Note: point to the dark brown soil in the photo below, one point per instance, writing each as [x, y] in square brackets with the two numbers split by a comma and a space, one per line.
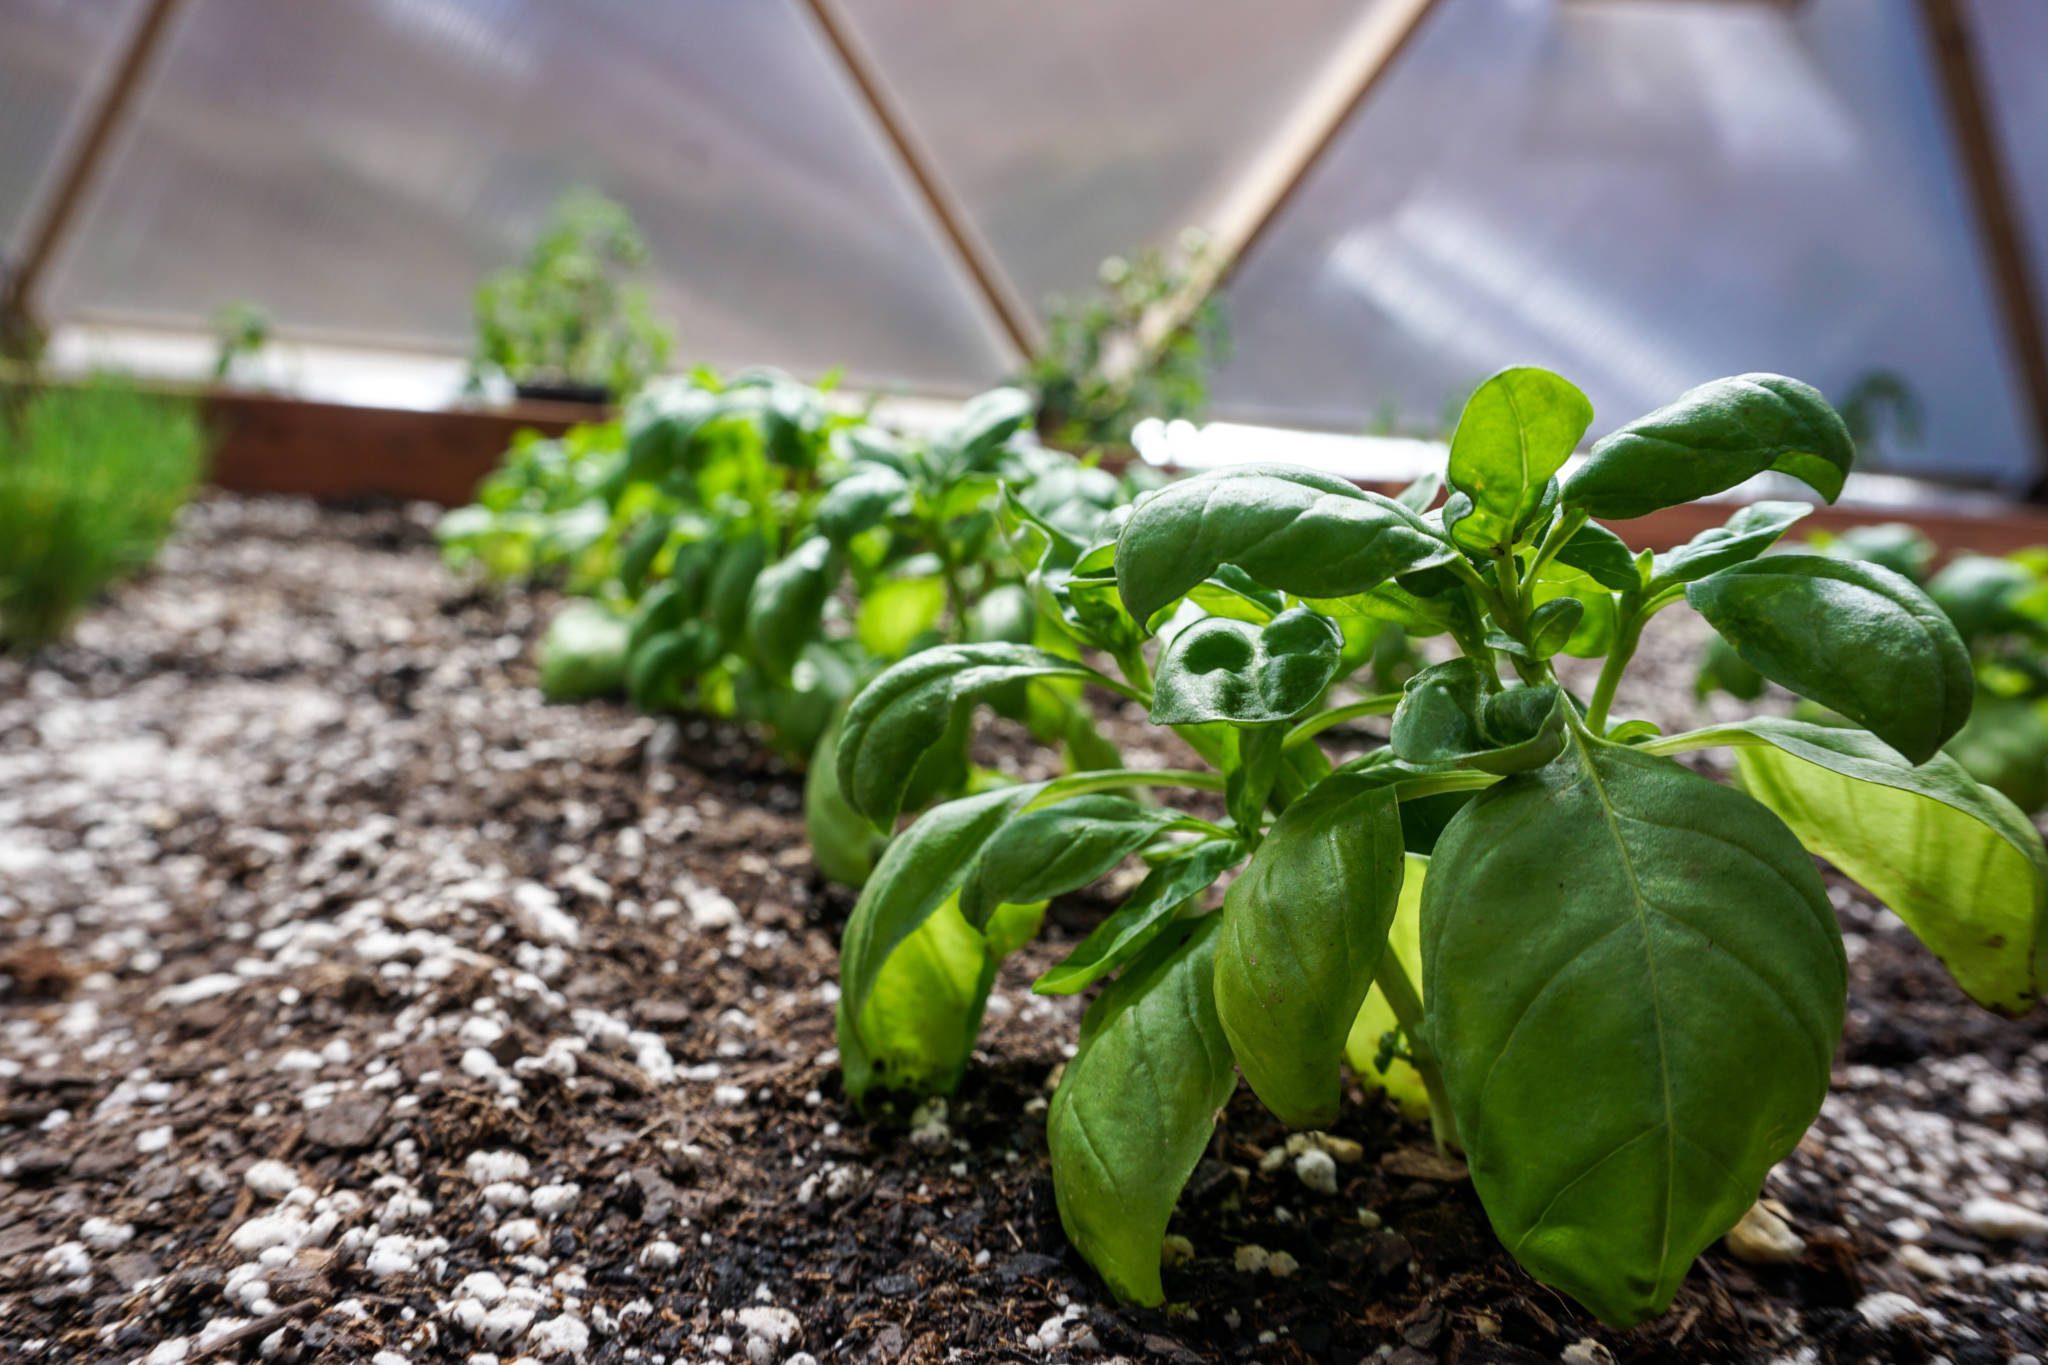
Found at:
[295, 867]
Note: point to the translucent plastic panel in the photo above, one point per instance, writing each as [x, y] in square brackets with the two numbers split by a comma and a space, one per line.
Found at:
[53, 54]
[1642, 194]
[1074, 131]
[357, 167]
[2012, 44]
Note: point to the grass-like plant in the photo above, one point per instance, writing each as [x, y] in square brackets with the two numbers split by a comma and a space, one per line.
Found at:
[1631, 983]
[91, 480]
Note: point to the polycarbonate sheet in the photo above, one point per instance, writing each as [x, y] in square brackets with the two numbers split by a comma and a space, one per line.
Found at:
[2011, 44]
[1641, 194]
[356, 168]
[54, 54]
[1079, 130]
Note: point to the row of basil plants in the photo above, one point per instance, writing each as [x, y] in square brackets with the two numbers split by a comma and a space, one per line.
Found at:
[1614, 985]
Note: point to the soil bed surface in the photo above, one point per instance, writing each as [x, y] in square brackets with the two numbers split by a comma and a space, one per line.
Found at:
[354, 1001]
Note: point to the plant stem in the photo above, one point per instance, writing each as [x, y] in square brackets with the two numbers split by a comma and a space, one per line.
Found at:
[1116, 779]
[1406, 1003]
[1628, 633]
[1381, 704]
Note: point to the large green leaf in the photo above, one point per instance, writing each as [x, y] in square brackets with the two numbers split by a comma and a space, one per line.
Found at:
[784, 607]
[1516, 431]
[1135, 1108]
[1223, 669]
[1856, 638]
[1635, 987]
[923, 867]
[1955, 860]
[908, 708]
[1712, 438]
[1045, 852]
[1303, 929]
[1168, 888]
[1748, 534]
[1303, 532]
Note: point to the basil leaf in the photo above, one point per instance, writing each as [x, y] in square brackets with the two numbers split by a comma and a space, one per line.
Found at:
[2004, 745]
[1136, 1106]
[731, 582]
[1516, 431]
[784, 607]
[1168, 888]
[1748, 534]
[1712, 438]
[908, 708]
[915, 1029]
[895, 613]
[1955, 860]
[1046, 852]
[1447, 715]
[1302, 934]
[1299, 531]
[1892, 545]
[583, 653]
[1603, 556]
[638, 555]
[859, 500]
[1856, 638]
[1980, 594]
[659, 670]
[1635, 989]
[1253, 758]
[1220, 669]
[922, 869]
[843, 846]
[987, 420]
[1400, 1080]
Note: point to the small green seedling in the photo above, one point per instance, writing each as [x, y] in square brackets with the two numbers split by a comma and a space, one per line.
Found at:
[1631, 984]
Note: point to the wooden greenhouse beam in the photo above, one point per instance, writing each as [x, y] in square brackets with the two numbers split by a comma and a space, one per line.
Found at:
[79, 162]
[1019, 323]
[1997, 216]
[1284, 163]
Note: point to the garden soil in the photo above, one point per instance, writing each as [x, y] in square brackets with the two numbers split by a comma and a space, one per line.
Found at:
[357, 1006]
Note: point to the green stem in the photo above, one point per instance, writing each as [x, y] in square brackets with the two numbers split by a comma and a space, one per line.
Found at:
[1382, 704]
[1628, 634]
[1562, 530]
[1118, 779]
[1406, 1003]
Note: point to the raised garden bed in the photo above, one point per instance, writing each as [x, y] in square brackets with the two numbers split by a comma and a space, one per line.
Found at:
[486, 1026]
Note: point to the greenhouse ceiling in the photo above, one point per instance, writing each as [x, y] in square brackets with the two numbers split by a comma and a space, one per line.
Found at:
[1408, 193]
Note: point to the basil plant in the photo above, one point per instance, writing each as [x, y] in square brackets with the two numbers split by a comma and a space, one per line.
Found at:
[1618, 983]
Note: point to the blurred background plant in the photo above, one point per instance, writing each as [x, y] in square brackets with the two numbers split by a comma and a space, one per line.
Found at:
[91, 478]
[563, 324]
[1999, 606]
[240, 332]
[1102, 369]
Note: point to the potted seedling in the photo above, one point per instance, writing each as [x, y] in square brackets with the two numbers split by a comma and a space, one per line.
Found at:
[564, 325]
